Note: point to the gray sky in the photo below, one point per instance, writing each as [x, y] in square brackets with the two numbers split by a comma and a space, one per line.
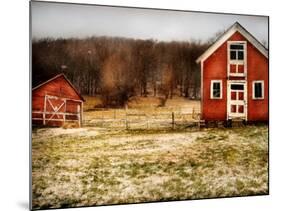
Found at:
[70, 20]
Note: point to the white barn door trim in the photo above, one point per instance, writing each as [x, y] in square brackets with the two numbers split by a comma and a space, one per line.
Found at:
[237, 102]
[55, 109]
[60, 110]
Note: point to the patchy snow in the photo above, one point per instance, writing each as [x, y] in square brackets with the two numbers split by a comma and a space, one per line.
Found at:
[52, 132]
[111, 166]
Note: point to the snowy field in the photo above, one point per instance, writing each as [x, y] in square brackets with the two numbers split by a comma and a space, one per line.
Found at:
[95, 166]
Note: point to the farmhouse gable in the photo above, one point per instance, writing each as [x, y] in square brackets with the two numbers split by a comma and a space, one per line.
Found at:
[57, 81]
[234, 78]
[236, 27]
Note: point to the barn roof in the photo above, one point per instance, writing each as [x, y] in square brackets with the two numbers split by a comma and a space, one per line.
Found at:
[58, 76]
[225, 36]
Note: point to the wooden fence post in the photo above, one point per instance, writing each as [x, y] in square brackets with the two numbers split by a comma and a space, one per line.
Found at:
[102, 117]
[193, 113]
[126, 119]
[173, 120]
[81, 114]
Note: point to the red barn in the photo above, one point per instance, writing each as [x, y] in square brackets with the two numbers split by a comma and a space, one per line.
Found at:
[234, 78]
[56, 102]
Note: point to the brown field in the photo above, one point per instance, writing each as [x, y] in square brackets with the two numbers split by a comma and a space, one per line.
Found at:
[98, 165]
[143, 113]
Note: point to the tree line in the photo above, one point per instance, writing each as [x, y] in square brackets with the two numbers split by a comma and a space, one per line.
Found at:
[119, 68]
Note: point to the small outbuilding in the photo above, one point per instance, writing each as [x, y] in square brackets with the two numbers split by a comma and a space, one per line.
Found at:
[56, 102]
[234, 78]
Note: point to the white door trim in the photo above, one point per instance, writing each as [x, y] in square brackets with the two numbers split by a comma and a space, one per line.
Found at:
[243, 82]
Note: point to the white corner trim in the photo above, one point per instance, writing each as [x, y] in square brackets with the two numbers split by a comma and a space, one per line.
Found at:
[202, 89]
[262, 90]
[211, 89]
[234, 28]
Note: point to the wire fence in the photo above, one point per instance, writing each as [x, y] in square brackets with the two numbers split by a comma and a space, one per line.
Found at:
[142, 119]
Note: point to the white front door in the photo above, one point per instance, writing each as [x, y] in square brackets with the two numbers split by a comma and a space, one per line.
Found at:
[237, 100]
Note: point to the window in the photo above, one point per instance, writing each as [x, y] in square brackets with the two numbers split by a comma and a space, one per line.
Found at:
[237, 87]
[237, 62]
[216, 89]
[236, 52]
[258, 89]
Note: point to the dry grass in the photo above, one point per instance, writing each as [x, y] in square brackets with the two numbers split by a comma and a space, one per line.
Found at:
[143, 112]
[94, 166]
[91, 102]
[144, 102]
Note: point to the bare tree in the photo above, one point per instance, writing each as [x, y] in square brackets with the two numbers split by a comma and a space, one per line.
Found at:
[119, 68]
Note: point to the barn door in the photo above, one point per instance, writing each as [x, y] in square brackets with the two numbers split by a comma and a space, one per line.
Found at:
[237, 100]
[54, 109]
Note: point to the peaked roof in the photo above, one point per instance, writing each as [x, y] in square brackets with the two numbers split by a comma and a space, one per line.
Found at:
[225, 36]
[57, 76]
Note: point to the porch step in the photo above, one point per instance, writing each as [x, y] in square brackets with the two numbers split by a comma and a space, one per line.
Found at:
[237, 122]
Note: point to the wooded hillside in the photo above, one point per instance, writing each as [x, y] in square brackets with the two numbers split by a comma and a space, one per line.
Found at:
[118, 68]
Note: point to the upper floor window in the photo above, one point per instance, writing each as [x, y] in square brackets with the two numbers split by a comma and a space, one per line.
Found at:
[237, 58]
[237, 52]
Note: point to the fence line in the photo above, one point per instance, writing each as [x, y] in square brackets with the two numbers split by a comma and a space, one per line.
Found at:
[135, 119]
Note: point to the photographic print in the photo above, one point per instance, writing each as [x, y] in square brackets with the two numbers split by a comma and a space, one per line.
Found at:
[133, 105]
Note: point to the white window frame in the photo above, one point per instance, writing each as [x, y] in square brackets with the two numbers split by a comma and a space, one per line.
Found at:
[211, 89]
[237, 62]
[236, 51]
[262, 90]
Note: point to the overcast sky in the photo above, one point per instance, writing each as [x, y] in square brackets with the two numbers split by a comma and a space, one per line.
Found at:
[72, 20]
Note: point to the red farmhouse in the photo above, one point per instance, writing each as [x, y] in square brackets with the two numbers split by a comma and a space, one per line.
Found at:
[234, 78]
[55, 102]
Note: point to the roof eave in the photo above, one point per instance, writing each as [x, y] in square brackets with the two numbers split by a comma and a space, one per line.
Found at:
[198, 60]
[223, 38]
[57, 76]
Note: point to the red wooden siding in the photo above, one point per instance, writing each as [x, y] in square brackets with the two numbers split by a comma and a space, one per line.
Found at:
[215, 68]
[60, 95]
[257, 70]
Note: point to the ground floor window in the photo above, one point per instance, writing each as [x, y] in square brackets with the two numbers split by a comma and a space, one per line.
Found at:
[258, 89]
[216, 89]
